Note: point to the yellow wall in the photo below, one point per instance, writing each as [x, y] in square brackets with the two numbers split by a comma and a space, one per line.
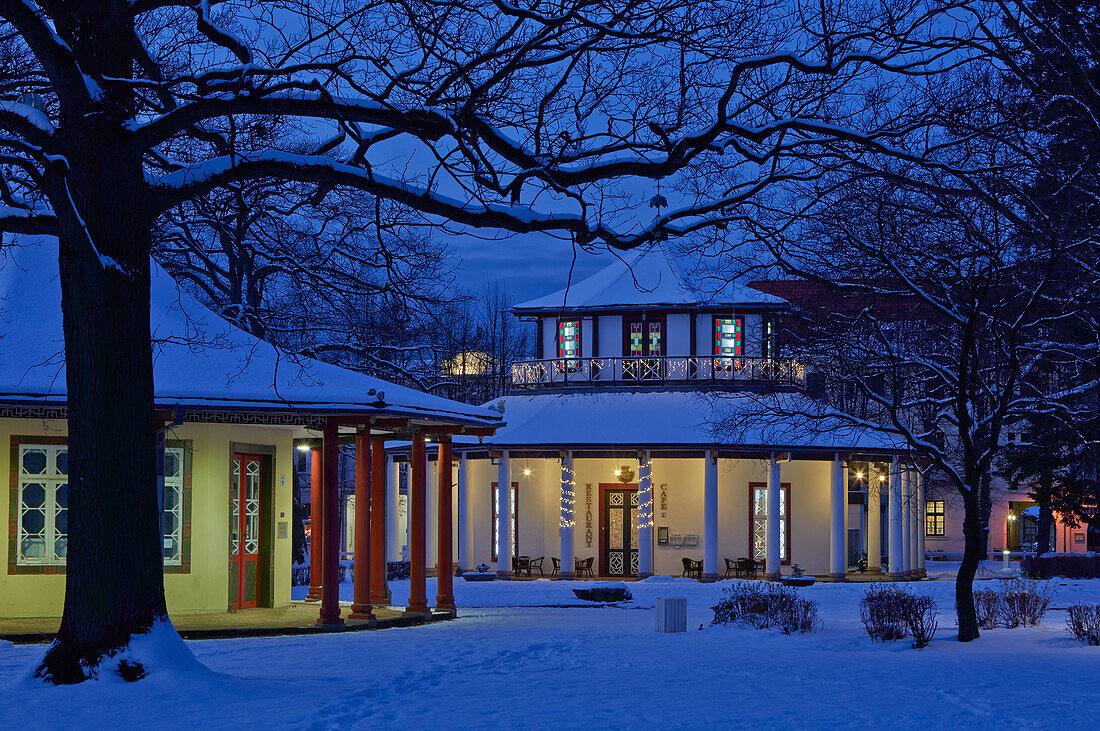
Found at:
[205, 588]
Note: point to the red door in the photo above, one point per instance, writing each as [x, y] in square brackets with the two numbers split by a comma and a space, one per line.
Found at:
[244, 531]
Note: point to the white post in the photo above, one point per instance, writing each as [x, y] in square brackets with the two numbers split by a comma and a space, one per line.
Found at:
[645, 515]
[897, 567]
[906, 523]
[914, 524]
[465, 519]
[874, 522]
[710, 516]
[921, 524]
[568, 516]
[394, 537]
[772, 566]
[504, 518]
[837, 507]
[431, 469]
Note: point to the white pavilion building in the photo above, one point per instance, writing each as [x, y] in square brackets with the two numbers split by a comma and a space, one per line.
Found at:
[645, 440]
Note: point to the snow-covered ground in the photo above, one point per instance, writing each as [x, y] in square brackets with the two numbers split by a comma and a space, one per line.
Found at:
[510, 660]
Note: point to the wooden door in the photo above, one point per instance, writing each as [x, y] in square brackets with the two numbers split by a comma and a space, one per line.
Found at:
[244, 531]
[619, 535]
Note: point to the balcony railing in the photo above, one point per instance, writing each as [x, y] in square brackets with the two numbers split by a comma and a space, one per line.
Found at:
[695, 369]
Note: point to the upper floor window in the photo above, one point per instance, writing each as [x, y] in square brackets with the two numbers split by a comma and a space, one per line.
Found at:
[645, 339]
[770, 345]
[728, 336]
[569, 339]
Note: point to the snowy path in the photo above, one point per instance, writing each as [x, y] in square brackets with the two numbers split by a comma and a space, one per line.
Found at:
[600, 667]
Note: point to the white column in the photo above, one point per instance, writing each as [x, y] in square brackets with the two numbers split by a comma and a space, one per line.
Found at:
[567, 515]
[645, 516]
[504, 517]
[921, 506]
[897, 565]
[772, 564]
[915, 527]
[431, 469]
[837, 508]
[710, 516]
[906, 523]
[394, 537]
[874, 522]
[465, 519]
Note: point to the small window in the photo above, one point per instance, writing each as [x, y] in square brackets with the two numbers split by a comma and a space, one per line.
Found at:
[569, 345]
[173, 505]
[934, 517]
[636, 342]
[654, 338]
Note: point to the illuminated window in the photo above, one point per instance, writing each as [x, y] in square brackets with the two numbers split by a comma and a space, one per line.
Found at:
[654, 338]
[728, 338]
[636, 339]
[515, 521]
[760, 521]
[934, 516]
[569, 339]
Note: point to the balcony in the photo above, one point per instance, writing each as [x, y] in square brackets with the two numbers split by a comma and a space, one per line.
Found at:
[697, 370]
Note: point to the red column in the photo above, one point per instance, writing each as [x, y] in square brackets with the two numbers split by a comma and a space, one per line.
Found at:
[330, 545]
[378, 523]
[418, 514]
[360, 605]
[316, 520]
[445, 599]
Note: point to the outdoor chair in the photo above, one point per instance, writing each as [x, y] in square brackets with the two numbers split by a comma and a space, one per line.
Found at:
[521, 564]
[747, 568]
[692, 569]
[760, 567]
[556, 563]
[731, 568]
[535, 563]
[583, 567]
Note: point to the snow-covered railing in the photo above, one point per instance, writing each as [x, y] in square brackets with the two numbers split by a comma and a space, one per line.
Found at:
[566, 372]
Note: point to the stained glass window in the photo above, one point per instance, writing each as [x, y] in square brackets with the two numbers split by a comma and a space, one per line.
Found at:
[760, 522]
[569, 339]
[728, 336]
[654, 338]
[636, 341]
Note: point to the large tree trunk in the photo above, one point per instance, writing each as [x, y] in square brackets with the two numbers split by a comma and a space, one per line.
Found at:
[973, 550]
[1046, 512]
[114, 583]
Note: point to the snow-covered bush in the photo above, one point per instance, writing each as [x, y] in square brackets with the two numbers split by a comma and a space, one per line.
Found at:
[1024, 602]
[396, 570]
[920, 620]
[762, 606]
[892, 613]
[987, 605]
[1083, 622]
[881, 610]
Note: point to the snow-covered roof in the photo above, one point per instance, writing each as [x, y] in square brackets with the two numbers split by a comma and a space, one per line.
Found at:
[199, 360]
[645, 277]
[679, 418]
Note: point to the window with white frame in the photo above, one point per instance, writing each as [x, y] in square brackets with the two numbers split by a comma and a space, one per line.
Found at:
[42, 531]
[173, 505]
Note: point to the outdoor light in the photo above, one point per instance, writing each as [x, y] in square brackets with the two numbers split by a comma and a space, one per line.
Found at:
[882, 478]
[303, 447]
[618, 472]
[526, 471]
[859, 475]
[1011, 518]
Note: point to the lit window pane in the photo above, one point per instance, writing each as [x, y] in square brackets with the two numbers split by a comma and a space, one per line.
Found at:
[33, 547]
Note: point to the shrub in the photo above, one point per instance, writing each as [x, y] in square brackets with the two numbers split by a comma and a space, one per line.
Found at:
[1083, 622]
[892, 613]
[761, 606]
[1024, 602]
[881, 610]
[396, 570]
[920, 620]
[987, 605]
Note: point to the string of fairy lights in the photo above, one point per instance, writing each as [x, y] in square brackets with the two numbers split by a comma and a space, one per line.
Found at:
[645, 497]
[568, 496]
